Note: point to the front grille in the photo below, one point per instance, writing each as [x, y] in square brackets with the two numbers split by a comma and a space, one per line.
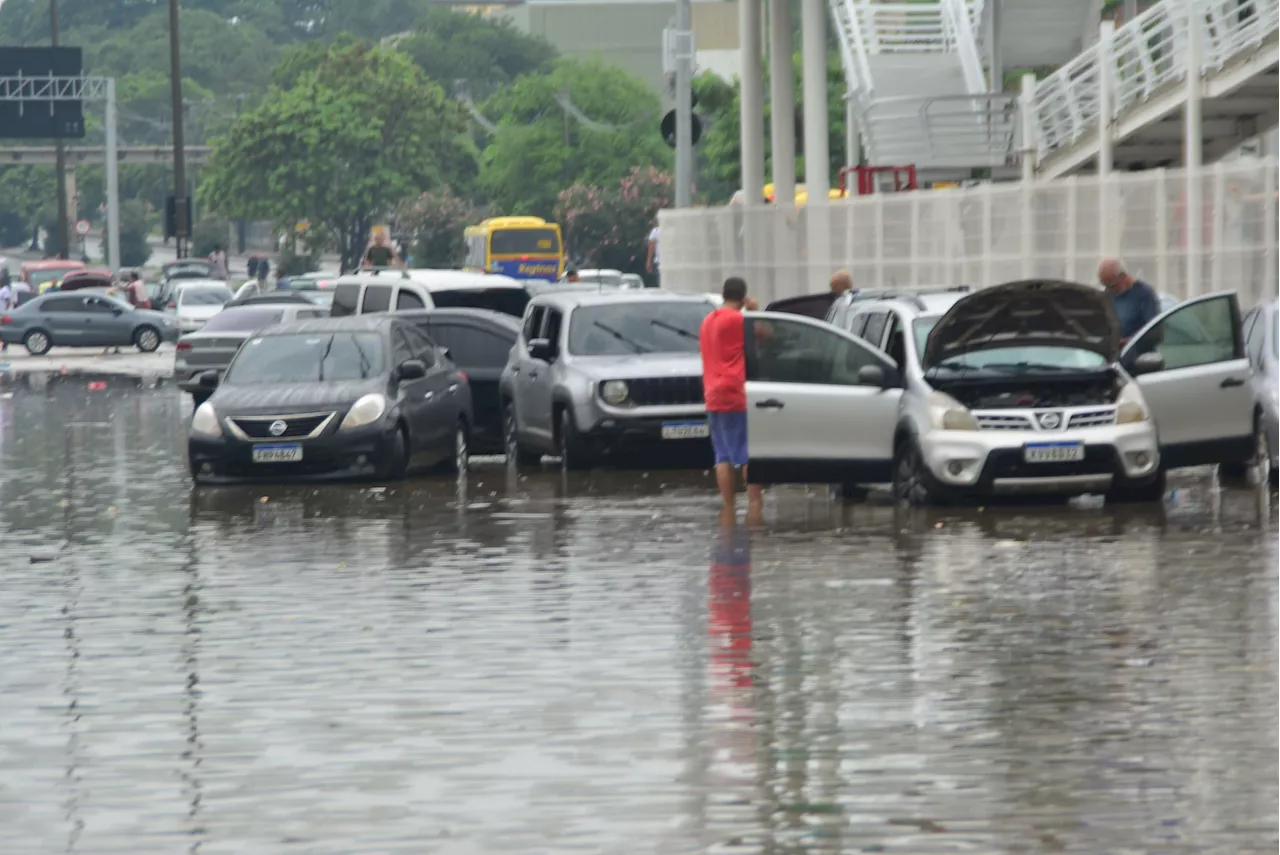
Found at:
[295, 426]
[665, 391]
[1011, 421]
[1093, 418]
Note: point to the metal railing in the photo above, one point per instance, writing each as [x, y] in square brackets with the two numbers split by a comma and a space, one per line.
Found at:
[957, 15]
[960, 131]
[1147, 56]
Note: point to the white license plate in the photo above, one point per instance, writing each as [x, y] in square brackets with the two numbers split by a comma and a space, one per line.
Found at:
[291, 453]
[685, 430]
[1053, 452]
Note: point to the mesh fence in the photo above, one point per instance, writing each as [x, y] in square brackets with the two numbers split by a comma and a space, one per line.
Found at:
[994, 233]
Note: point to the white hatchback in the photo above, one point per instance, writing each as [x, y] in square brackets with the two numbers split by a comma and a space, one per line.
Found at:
[195, 301]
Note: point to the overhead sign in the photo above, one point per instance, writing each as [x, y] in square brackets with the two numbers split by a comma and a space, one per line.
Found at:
[82, 227]
[36, 93]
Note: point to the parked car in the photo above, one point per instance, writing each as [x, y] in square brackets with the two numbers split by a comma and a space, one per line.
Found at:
[217, 342]
[479, 342]
[43, 275]
[84, 320]
[178, 270]
[401, 290]
[80, 279]
[306, 282]
[595, 374]
[271, 299]
[323, 299]
[1017, 388]
[1262, 346]
[365, 396]
[809, 305]
[194, 301]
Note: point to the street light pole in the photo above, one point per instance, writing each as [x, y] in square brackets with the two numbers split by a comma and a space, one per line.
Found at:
[182, 227]
[60, 157]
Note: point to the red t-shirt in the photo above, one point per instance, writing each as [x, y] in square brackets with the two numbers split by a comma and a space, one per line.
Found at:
[724, 367]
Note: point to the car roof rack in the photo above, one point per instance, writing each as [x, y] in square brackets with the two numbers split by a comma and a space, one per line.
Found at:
[912, 296]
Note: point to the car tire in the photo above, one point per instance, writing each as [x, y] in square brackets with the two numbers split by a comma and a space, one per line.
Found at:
[397, 463]
[913, 484]
[516, 453]
[146, 339]
[1127, 492]
[37, 342]
[572, 450]
[459, 461]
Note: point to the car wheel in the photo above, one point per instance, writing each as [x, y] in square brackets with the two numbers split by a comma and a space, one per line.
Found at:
[147, 339]
[573, 452]
[37, 342]
[460, 461]
[912, 483]
[511, 440]
[397, 463]
[1126, 492]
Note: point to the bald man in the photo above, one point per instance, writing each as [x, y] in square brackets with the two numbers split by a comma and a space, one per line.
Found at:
[1134, 301]
[841, 282]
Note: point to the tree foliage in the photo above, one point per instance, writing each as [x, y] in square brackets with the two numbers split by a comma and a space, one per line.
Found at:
[433, 225]
[609, 227]
[350, 141]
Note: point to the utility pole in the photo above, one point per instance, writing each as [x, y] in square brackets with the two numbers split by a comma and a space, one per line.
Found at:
[684, 103]
[179, 167]
[60, 157]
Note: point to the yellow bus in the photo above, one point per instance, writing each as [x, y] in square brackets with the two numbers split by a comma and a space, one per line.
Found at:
[519, 247]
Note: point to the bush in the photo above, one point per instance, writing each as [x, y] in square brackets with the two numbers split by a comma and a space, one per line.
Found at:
[609, 228]
[432, 226]
[134, 227]
[210, 232]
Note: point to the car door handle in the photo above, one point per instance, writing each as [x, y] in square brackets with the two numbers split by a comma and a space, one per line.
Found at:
[428, 396]
[1229, 382]
[771, 404]
[453, 388]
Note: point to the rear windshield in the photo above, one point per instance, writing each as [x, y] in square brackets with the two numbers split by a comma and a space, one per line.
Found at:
[508, 301]
[307, 358]
[629, 328]
[243, 320]
[212, 296]
[524, 242]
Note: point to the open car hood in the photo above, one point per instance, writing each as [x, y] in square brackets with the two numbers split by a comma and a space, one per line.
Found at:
[1035, 312]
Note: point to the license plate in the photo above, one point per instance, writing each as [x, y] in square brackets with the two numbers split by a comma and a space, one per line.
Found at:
[685, 430]
[1053, 452]
[277, 453]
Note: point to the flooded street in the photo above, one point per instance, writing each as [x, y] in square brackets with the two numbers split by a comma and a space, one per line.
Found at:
[540, 664]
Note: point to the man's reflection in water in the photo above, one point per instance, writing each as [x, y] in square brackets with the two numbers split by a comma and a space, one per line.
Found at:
[731, 703]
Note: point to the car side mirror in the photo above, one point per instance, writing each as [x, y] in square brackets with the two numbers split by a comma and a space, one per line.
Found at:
[412, 369]
[540, 348]
[1147, 363]
[209, 379]
[871, 375]
[117, 311]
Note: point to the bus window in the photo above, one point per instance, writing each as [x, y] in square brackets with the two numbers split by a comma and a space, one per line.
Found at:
[524, 242]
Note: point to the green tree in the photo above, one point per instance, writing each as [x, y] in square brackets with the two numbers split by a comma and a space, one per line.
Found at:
[134, 228]
[343, 147]
[486, 52]
[538, 150]
[433, 224]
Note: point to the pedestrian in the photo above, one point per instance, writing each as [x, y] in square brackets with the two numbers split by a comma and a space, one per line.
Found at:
[653, 261]
[841, 282]
[7, 299]
[21, 292]
[724, 389]
[1134, 301]
[571, 274]
[137, 291]
[252, 266]
[218, 258]
[380, 253]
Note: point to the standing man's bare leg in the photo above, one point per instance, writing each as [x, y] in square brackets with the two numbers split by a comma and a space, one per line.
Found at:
[755, 501]
[724, 480]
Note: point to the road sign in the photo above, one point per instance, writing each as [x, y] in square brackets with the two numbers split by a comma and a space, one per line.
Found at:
[82, 227]
[41, 98]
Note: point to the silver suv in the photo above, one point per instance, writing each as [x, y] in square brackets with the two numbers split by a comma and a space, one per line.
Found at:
[1020, 387]
[595, 373]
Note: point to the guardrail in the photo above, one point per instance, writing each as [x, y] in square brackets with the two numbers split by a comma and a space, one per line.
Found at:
[1147, 55]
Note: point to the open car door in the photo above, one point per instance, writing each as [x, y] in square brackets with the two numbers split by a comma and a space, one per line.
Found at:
[1199, 394]
[822, 405]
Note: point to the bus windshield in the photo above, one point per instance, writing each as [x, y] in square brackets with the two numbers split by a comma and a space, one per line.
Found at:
[536, 241]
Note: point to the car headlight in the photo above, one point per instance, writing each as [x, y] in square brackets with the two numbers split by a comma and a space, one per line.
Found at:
[205, 420]
[949, 414]
[365, 411]
[615, 392]
[1130, 408]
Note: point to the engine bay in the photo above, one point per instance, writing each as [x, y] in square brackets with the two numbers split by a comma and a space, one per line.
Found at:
[1033, 393]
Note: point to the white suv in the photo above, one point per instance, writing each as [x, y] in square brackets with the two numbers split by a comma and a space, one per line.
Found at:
[390, 290]
[1016, 388]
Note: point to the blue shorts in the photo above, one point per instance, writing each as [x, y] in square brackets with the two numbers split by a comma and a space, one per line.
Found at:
[729, 437]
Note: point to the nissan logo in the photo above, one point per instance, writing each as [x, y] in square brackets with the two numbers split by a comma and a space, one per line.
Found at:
[278, 428]
[1048, 421]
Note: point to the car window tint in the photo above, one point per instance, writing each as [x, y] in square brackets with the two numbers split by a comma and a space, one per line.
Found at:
[896, 342]
[874, 328]
[792, 352]
[345, 299]
[551, 329]
[1197, 334]
[97, 306]
[377, 298]
[508, 301]
[421, 344]
[401, 349]
[63, 304]
[472, 347]
[533, 323]
[406, 299]
[1254, 336]
[858, 324]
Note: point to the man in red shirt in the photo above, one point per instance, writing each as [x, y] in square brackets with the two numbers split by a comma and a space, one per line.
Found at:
[722, 340]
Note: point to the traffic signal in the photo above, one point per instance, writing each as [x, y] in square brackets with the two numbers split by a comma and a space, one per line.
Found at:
[669, 128]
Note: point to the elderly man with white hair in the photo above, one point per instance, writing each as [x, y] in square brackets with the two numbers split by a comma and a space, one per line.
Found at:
[1134, 301]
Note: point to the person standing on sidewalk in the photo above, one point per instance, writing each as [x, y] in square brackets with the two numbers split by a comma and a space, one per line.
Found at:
[722, 341]
[653, 261]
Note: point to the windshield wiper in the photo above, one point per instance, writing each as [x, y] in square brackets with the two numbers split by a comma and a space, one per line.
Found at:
[328, 347]
[673, 328]
[364, 360]
[638, 348]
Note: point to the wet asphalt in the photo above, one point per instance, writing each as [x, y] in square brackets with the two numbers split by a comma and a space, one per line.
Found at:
[535, 663]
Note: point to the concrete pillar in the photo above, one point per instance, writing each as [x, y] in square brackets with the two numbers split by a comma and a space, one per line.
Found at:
[782, 92]
[1193, 143]
[995, 58]
[752, 102]
[1026, 110]
[817, 157]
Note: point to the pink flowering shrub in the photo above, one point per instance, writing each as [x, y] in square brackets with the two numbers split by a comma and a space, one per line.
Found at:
[432, 224]
[609, 227]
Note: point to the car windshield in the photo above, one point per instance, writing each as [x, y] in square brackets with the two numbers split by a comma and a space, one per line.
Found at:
[307, 358]
[620, 329]
[1011, 359]
[243, 320]
[51, 274]
[214, 295]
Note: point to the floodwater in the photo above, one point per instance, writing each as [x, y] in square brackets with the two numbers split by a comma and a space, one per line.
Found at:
[536, 664]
